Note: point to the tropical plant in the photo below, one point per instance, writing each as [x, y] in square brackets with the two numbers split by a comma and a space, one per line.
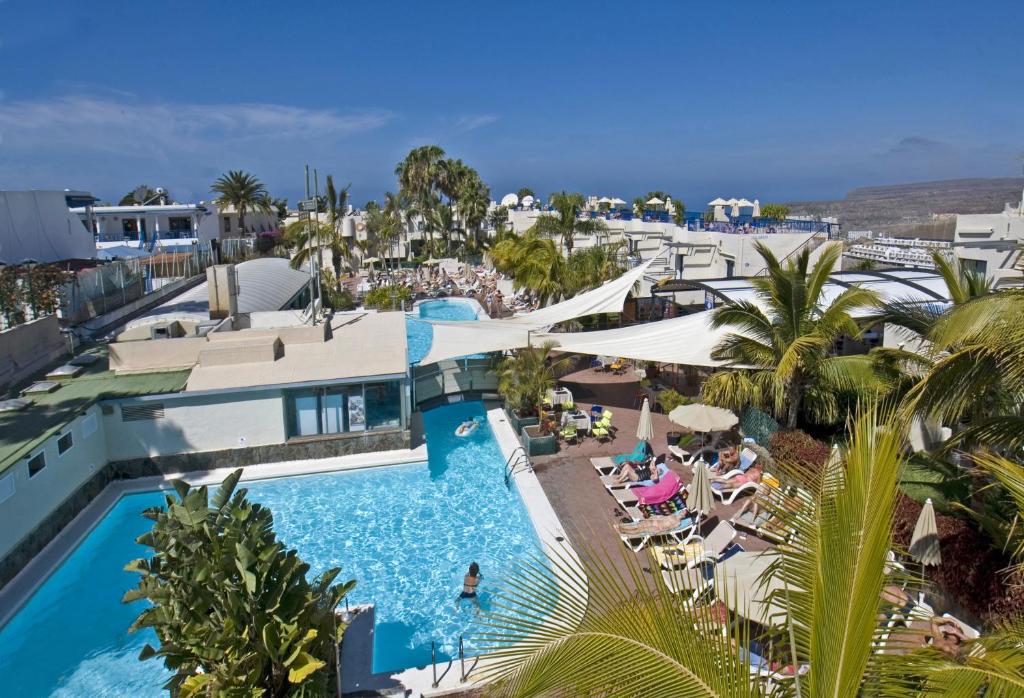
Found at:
[566, 223]
[679, 212]
[231, 607]
[336, 296]
[526, 375]
[524, 192]
[639, 205]
[388, 297]
[582, 626]
[498, 218]
[669, 399]
[778, 212]
[591, 267]
[12, 296]
[799, 448]
[243, 192]
[281, 207]
[786, 339]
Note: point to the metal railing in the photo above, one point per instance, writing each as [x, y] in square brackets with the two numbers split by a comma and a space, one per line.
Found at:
[463, 673]
[515, 459]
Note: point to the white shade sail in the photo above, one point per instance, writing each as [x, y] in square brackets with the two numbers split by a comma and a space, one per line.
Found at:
[454, 339]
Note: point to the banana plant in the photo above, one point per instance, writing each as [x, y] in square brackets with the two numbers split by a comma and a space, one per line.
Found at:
[232, 609]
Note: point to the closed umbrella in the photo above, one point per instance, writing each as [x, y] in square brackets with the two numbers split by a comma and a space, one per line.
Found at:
[645, 429]
[703, 418]
[701, 499]
[924, 544]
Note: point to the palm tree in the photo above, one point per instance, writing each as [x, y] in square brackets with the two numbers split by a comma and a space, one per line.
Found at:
[337, 203]
[243, 192]
[566, 225]
[594, 266]
[786, 339]
[474, 198]
[582, 626]
[536, 264]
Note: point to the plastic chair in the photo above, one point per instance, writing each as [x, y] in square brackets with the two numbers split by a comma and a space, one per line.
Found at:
[606, 415]
[600, 432]
[569, 433]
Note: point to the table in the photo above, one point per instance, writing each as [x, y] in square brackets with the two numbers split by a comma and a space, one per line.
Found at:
[581, 420]
[561, 396]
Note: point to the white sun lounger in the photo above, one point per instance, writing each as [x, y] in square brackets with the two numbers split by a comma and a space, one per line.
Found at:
[680, 534]
[604, 465]
[687, 580]
[728, 496]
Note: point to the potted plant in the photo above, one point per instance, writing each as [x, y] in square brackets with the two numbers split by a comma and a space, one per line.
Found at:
[524, 378]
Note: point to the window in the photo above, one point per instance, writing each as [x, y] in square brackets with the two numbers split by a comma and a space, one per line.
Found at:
[64, 443]
[130, 229]
[975, 267]
[6, 486]
[344, 409]
[227, 224]
[36, 463]
[88, 426]
[181, 225]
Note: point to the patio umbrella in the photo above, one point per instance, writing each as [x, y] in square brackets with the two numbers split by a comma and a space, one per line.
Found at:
[617, 202]
[645, 429]
[654, 201]
[371, 260]
[703, 418]
[924, 544]
[700, 499]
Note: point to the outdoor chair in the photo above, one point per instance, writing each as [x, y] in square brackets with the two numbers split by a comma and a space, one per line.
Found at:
[695, 581]
[747, 459]
[569, 433]
[728, 495]
[698, 549]
[600, 432]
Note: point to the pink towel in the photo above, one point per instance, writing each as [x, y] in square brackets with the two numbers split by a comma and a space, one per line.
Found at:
[661, 491]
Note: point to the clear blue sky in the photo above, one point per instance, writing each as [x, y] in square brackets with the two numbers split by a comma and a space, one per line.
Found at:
[776, 100]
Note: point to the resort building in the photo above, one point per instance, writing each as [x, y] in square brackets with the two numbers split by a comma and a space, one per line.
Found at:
[154, 224]
[989, 244]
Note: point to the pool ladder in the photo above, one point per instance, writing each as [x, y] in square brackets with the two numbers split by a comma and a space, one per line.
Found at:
[462, 664]
[515, 459]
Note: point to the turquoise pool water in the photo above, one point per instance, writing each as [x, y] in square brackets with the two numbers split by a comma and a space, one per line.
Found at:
[406, 533]
[420, 334]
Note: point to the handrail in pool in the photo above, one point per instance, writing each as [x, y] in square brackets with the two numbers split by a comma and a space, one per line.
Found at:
[462, 661]
[513, 461]
[433, 664]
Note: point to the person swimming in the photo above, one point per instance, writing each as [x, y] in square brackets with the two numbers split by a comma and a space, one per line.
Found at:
[467, 427]
[469, 585]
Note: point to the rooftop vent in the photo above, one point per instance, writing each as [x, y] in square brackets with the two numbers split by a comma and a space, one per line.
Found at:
[142, 412]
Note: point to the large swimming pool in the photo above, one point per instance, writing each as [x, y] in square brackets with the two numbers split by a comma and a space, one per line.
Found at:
[405, 533]
[420, 334]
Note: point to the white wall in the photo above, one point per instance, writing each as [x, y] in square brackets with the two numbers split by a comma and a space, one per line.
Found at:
[34, 498]
[194, 423]
[39, 225]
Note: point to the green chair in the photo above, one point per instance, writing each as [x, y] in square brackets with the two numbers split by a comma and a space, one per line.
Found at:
[569, 432]
[606, 416]
[600, 432]
[568, 405]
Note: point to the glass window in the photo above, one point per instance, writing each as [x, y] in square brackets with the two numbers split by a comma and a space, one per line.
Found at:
[333, 408]
[306, 421]
[227, 224]
[179, 224]
[36, 463]
[383, 405]
[64, 443]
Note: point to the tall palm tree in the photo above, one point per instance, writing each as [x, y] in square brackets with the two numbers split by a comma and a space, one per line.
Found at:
[582, 626]
[785, 340]
[566, 225]
[593, 266]
[474, 198]
[243, 192]
[337, 203]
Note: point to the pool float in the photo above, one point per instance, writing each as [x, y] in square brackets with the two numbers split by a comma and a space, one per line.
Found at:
[467, 428]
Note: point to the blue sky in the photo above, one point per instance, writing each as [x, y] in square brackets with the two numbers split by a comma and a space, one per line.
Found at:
[776, 100]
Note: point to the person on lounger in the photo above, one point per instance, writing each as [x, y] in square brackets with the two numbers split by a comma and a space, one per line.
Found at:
[731, 483]
[469, 585]
[728, 459]
[652, 526]
[631, 471]
[944, 634]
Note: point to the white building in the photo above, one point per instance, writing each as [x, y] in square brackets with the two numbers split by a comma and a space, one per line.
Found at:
[990, 244]
[40, 226]
[117, 225]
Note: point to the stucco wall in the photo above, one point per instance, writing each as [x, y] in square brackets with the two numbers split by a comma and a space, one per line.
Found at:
[35, 497]
[28, 347]
[197, 423]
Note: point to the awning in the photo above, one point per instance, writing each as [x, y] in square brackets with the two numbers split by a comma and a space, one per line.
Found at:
[453, 339]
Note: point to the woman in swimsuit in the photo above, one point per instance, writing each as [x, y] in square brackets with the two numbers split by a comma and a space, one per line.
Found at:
[637, 472]
[469, 584]
[752, 475]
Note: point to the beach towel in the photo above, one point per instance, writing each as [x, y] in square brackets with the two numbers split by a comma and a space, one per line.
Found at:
[660, 492]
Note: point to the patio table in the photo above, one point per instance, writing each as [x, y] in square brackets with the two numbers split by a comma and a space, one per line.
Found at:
[561, 396]
[581, 420]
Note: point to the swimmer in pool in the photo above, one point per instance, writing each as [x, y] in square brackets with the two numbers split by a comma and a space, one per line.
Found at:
[466, 427]
[469, 584]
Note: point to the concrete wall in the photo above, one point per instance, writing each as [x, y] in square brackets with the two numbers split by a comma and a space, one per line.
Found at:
[193, 423]
[35, 497]
[29, 347]
[158, 354]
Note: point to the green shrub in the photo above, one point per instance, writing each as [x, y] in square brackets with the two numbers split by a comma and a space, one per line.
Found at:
[671, 399]
[388, 297]
[230, 605]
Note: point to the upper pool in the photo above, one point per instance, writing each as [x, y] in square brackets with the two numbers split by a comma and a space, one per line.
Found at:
[405, 533]
[420, 334]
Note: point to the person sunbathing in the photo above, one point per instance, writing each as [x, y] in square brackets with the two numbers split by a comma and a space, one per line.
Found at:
[652, 526]
[632, 471]
[739, 479]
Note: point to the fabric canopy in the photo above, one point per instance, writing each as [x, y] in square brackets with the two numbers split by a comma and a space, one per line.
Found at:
[454, 339]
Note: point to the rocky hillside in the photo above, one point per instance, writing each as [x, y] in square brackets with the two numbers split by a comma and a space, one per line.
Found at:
[918, 209]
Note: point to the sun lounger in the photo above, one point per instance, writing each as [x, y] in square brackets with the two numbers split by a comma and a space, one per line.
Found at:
[694, 581]
[760, 666]
[747, 459]
[610, 482]
[679, 534]
[729, 495]
[604, 465]
[698, 549]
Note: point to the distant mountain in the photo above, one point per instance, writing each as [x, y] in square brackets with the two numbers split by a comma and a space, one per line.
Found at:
[918, 209]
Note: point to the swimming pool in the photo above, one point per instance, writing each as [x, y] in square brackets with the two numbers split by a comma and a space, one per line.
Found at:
[420, 334]
[406, 533]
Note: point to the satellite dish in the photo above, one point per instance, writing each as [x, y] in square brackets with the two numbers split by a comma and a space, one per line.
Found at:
[527, 201]
[161, 191]
[510, 200]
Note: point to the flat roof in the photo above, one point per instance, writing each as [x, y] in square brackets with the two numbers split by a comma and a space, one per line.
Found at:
[23, 431]
[361, 345]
